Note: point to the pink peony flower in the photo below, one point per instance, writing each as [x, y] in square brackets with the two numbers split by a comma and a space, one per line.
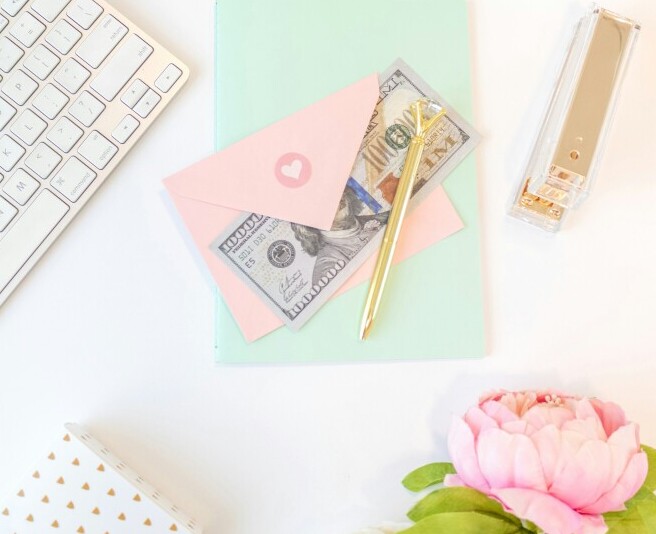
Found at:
[556, 460]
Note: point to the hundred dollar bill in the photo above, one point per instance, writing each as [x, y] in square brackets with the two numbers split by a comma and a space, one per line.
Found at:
[295, 269]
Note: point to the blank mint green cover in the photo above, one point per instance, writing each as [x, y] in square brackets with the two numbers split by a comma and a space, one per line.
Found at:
[275, 57]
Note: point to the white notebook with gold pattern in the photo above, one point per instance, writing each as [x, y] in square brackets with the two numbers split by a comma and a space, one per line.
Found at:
[80, 487]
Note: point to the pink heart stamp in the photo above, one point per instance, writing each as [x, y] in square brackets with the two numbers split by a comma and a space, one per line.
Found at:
[293, 170]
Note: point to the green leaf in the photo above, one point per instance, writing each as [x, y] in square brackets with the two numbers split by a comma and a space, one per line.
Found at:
[639, 519]
[427, 476]
[531, 527]
[465, 523]
[449, 500]
[644, 494]
[650, 483]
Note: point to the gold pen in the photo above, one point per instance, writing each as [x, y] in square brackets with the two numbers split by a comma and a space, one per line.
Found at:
[426, 114]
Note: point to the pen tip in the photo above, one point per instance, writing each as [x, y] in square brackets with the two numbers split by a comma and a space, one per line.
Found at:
[365, 330]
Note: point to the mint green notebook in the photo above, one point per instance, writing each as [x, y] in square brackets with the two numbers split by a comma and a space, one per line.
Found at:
[275, 57]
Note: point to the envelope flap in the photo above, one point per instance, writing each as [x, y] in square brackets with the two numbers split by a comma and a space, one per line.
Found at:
[296, 169]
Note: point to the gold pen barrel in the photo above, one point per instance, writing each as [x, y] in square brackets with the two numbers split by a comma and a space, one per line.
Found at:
[394, 225]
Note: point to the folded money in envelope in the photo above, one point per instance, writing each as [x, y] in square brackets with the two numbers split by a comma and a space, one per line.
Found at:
[267, 260]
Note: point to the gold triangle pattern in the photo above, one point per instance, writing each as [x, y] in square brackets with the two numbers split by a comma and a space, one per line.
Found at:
[51, 456]
[67, 438]
[174, 528]
[137, 498]
[76, 462]
[36, 474]
[70, 505]
[55, 524]
[45, 499]
[86, 486]
[30, 518]
[148, 522]
[81, 530]
[101, 468]
[5, 511]
[96, 511]
[121, 517]
[111, 492]
[60, 480]
[21, 493]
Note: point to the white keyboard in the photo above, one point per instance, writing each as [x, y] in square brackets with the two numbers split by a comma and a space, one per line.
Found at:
[79, 85]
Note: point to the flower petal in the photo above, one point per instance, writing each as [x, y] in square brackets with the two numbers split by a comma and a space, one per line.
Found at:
[627, 486]
[624, 444]
[585, 477]
[546, 414]
[590, 427]
[547, 512]
[517, 427]
[478, 420]
[499, 412]
[611, 415]
[462, 448]
[547, 443]
[585, 409]
[509, 460]
[627, 437]
[592, 524]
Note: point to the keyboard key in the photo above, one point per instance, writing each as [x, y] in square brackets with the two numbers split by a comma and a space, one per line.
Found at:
[73, 179]
[28, 127]
[3, 23]
[132, 54]
[7, 113]
[97, 150]
[43, 160]
[41, 62]
[168, 78]
[12, 7]
[134, 93]
[72, 76]
[65, 134]
[87, 108]
[84, 12]
[10, 152]
[50, 101]
[49, 9]
[20, 87]
[7, 213]
[102, 40]
[63, 37]
[125, 129]
[20, 187]
[147, 104]
[32, 229]
[10, 53]
[27, 29]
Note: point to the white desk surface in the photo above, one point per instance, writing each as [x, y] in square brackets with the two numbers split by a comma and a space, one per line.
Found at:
[114, 328]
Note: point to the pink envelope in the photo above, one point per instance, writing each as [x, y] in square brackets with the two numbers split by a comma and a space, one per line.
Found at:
[295, 170]
[433, 220]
